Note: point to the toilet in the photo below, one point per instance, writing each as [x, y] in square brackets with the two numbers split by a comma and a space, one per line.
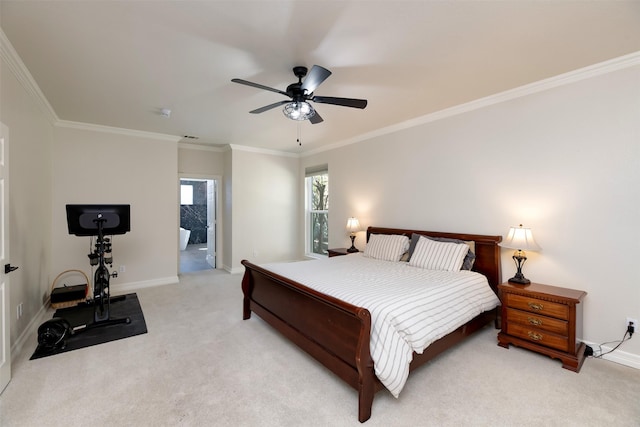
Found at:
[184, 238]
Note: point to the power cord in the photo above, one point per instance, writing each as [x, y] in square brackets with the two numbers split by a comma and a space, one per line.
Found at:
[630, 330]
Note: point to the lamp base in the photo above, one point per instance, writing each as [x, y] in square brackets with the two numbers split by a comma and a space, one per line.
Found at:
[353, 248]
[520, 280]
[519, 258]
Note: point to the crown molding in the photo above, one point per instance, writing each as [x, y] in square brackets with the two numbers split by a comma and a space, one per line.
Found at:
[236, 147]
[24, 77]
[201, 147]
[114, 130]
[570, 77]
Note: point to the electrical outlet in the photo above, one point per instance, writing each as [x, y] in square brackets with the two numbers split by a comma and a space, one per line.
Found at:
[123, 269]
[634, 323]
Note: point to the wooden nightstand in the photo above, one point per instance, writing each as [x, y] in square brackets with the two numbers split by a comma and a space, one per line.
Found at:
[543, 318]
[338, 252]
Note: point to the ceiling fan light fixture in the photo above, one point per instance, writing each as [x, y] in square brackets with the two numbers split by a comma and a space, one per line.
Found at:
[298, 110]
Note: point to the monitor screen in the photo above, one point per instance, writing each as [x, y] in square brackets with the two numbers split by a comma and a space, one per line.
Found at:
[83, 220]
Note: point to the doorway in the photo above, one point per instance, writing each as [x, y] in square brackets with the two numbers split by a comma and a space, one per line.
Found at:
[5, 310]
[198, 224]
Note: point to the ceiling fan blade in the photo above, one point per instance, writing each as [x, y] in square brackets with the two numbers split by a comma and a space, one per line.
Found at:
[315, 119]
[268, 107]
[259, 86]
[345, 102]
[315, 77]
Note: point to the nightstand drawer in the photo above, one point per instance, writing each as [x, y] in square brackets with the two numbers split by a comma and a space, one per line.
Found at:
[538, 336]
[533, 305]
[533, 320]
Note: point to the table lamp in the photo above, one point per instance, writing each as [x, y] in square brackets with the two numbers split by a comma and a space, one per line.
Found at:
[520, 239]
[353, 226]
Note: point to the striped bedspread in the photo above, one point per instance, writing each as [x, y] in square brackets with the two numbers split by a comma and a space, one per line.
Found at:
[410, 307]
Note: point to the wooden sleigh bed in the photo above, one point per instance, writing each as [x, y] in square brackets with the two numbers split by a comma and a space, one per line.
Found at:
[337, 333]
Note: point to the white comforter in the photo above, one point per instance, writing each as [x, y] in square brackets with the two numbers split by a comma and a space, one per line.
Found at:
[410, 307]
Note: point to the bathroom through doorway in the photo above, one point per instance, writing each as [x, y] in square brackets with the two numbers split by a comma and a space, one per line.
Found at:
[198, 224]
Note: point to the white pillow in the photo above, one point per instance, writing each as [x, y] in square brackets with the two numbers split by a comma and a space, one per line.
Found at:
[433, 255]
[387, 247]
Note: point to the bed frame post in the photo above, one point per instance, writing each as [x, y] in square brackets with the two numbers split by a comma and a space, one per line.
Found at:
[247, 286]
[366, 375]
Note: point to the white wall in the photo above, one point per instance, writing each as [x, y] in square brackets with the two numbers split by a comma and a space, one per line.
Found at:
[106, 167]
[264, 207]
[197, 160]
[30, 142]
[564, 161]
[227, 209]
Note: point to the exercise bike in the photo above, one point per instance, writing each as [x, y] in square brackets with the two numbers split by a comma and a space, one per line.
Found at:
[94, 221]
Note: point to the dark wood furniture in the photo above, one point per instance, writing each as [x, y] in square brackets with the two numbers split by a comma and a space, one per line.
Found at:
[337, 252]
[543, 318]
[337, 333]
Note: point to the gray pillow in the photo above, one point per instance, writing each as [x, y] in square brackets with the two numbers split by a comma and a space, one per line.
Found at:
[469, 259]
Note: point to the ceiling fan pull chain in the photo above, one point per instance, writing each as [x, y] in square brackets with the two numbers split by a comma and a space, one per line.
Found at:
[299, 142]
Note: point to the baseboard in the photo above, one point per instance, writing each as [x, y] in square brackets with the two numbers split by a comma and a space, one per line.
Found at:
[231, 270]
[618, 356]
[32, 328]
[125, 288]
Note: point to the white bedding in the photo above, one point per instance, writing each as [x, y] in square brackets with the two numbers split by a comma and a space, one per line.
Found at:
[410, 307]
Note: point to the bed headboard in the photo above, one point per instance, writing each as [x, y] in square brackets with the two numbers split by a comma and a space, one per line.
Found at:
[487, 250]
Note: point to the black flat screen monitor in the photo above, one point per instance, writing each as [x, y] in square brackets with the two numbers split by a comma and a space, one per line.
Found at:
[83, 220]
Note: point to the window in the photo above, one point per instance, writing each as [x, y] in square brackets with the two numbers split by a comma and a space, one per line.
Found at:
[186, 194]
[317, 210]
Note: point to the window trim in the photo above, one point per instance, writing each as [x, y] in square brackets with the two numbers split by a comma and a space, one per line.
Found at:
[308, 212]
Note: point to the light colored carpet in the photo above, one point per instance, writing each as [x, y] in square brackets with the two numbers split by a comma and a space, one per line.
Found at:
[201, 364]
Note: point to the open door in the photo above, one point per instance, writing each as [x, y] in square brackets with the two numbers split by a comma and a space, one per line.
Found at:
[211, 222]
[5, 267]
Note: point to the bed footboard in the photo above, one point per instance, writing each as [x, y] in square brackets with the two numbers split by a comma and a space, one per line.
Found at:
[334, 332]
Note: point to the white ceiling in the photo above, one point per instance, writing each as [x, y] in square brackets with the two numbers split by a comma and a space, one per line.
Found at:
[118, 63]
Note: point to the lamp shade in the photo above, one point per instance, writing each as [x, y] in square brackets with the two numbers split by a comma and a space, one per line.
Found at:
[520, 238]
[353, 225]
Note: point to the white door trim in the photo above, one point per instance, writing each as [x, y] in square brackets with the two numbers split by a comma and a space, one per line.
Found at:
[218, 213]
[5, 304]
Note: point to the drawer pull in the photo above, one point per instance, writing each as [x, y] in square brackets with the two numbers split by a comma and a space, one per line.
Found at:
[535, 306]
[534, 321]
[534, 336]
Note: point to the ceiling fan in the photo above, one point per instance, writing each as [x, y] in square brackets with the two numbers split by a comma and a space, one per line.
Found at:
[297, 107]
